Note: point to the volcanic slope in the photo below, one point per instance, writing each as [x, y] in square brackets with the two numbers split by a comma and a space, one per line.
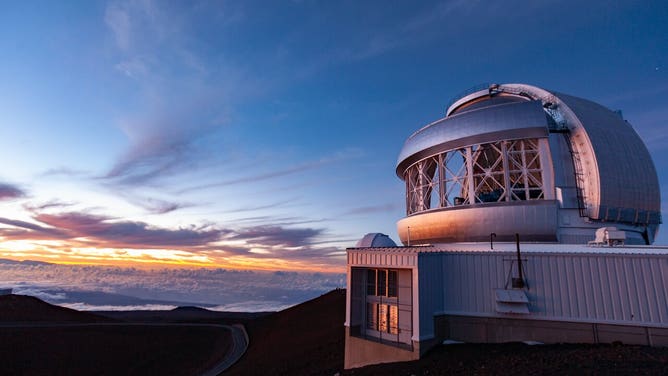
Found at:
[37, 338]
[23, 308]
[307, 339]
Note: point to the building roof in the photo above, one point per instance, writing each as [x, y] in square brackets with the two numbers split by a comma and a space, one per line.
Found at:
[512, 248]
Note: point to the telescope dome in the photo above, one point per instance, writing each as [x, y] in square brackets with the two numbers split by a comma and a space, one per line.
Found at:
[516, 158]
[375, 239]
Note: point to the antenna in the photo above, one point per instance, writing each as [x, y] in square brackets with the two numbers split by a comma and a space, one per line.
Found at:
[518, 283]
[409, 235]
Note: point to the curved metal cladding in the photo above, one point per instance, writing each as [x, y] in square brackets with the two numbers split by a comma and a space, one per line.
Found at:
[472, 215]
[507, 121]
[536, 220]
[519, 159]
[629, 189]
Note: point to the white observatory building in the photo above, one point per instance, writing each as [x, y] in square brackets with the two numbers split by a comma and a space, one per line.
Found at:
[530, 215]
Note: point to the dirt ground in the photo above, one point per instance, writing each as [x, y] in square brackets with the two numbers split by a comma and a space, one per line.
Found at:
[521, 359]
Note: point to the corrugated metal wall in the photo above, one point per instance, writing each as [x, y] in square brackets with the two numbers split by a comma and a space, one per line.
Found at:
[390, 257]
[429, 292]
[626, 289]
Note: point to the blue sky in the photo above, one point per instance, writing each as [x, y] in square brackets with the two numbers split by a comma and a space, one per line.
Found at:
[265, 134]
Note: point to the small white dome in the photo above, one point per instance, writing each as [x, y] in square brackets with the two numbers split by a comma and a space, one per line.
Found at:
[375, 239]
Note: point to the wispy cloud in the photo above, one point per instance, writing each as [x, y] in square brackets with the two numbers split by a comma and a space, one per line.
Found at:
[51, 204]
[102, 231]
[155, 205]
[118, 19]
[302, 167]
[253, 208]
[64, 171]
[384, 208]
[278, 236]
[10, 192]
[255, 178]
[163, 143]
[181, 102]
[109, 232]
[25, 230]
[96, 238]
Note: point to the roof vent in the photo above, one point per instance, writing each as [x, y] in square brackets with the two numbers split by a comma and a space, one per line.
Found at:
[511, 301]
[608, 236]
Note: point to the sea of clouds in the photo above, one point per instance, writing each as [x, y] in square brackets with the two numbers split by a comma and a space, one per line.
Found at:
[119, 288]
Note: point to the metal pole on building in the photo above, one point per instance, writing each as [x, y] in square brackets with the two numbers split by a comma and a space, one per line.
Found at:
[520, 281]
[409, 235]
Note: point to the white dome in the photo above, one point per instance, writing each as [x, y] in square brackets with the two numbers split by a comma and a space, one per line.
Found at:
[375, 239]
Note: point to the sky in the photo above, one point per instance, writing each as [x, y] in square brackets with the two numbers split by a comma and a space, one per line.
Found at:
[263, 135]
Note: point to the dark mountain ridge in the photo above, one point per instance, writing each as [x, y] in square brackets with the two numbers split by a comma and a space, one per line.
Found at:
[23, 308]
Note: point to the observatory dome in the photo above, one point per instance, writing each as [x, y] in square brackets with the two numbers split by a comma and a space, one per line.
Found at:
[375, 239]
[516, 158]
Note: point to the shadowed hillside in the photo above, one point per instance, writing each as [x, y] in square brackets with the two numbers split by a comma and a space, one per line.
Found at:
[22, 308]
[38, 338]
[183, 314]
[307, 339]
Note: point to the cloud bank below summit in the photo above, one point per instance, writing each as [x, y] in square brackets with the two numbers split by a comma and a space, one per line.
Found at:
[115, 288]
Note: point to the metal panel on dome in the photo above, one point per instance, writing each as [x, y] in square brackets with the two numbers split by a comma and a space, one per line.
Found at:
[629, 186]
[486, 102]
[535, 220]
[501, 122]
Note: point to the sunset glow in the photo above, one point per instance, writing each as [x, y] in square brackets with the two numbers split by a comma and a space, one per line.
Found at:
[264, 136]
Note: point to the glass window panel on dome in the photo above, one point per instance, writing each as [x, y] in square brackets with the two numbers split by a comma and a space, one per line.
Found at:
[525, 173]
[435, 183]
[455, 192]
[412, 188]
[427, 172]
[488, 173]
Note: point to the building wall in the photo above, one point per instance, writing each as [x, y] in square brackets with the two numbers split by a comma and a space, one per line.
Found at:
[431, 296]
[367, 346]
[604, 288]
[596, 297]
[361, 352]
[499, 330]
